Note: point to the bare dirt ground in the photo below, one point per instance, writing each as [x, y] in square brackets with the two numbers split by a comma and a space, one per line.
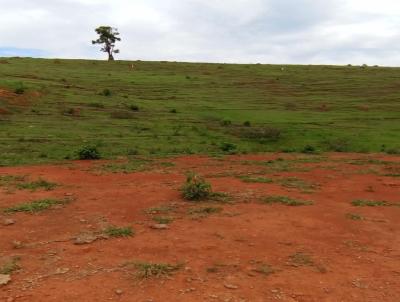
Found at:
[330, 250]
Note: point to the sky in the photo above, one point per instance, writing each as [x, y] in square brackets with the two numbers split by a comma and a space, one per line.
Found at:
[230, 31]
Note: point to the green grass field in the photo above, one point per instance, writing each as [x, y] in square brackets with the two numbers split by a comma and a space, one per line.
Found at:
[192, 108]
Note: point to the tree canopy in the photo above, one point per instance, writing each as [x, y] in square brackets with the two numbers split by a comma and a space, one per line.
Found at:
[108, 36]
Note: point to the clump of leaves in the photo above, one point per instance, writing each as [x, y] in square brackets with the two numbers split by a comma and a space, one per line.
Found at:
[196, 188]
[118, 232]
[146, 270]
[285, 200]
[309, 149]
[88, 153]
[35, 206]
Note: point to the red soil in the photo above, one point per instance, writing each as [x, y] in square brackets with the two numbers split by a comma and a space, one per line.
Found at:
[338, 259]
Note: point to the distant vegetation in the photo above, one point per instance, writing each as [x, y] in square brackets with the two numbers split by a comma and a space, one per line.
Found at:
[48, 108]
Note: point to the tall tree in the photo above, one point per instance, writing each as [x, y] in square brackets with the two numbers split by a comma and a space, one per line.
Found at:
[107, 37]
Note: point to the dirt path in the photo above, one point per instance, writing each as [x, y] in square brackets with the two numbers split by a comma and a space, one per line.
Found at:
[244, 250]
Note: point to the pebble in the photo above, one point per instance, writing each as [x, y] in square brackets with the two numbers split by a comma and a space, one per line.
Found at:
[159, 226]
[119, 291]
[4, 279]
[231, 286]
[8, 222]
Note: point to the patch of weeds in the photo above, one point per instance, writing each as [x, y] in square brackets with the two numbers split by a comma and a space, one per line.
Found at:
[163, 219]
[308, 149]
[10, 266]
[6, 180]
[285, 200]
[163, 209]
[35, 206]
[126, 167]
[370, 203]
[251, 179]
[88, 153]
[393, 151]
[296, 183]
[118, 232]
[134, 107]
[301, 259]
[354, 216]
[265, 134]
[196, 188]
[167, 164]
[147, 270]
[123, 115]
[264, 269]
[96, 105]
[220, 197]
[106, 92]
[204, 211]
[37, 185]
[228, 148]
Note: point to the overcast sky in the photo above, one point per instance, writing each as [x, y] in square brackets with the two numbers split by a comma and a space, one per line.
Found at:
[242, 31]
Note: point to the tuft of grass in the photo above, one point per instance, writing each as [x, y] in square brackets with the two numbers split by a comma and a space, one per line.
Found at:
[250, 179]
[264, 269]
[301, 259]
[204, 211]
[10, 266]
[36, 185]
[147, 270]
[354, 216]
[369, 203]
[196, 188]
[118, 232]
[34, 206]
[288, 201]
[163, 209]
[163, 219]
[130, 166]
[88, 153]
[296, 183]
[6, 180]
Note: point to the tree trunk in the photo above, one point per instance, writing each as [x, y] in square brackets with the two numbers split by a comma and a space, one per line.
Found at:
[110, 57]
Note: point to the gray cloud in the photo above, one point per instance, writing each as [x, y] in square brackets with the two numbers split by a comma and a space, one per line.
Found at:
[268, 31]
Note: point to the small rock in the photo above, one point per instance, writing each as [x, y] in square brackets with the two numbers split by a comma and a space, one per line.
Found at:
[4, 279]
[85, 238]
[8, 221]
[231, 286]
[159, 226]
[119, 291]
[61, 271]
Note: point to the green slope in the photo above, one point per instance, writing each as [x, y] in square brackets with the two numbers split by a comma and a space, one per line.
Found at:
[63, 108]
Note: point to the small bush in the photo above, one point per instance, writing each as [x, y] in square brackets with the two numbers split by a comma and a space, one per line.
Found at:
[226, 122]
[134, 107]
[339, 145]
[228, 148]
[96, 105]
[147, 270]
[247, 124]
[369, 203]
[173, 111]
[196, 188]
[163, 219]
[393, 151]
[308, 149]
[88, 153]
[106, 92]
[19, 90]
[35, 185]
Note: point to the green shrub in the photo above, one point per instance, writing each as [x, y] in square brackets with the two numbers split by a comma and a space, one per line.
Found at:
[173, 111]
[247, 124]
[196, 188]
[226, 122]
[228, 148]
[106, 92]
[134, 107]
[261, 134]
[19, 90]
[88, 152]
[117, 232]
[308, 149]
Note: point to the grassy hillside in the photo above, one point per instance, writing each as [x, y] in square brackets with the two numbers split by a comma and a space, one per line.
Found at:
[192, 108]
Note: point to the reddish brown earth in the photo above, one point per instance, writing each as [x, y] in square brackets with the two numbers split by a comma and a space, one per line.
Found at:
[316, 252]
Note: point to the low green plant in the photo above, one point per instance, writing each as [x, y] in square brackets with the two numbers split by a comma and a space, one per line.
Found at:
[163, 219]
[196, 188]
[36, 185]
[301, 259]
[354, 216]
[228, 148]
[118, 232]
[205, 211]
[89, 153]
[251, 179]
[160, 209]
[134, 107]
[264, 269]
[34, 206]
[10, 266]
[369, 203]
[106, 92]
[285, 200]
[146, 270]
